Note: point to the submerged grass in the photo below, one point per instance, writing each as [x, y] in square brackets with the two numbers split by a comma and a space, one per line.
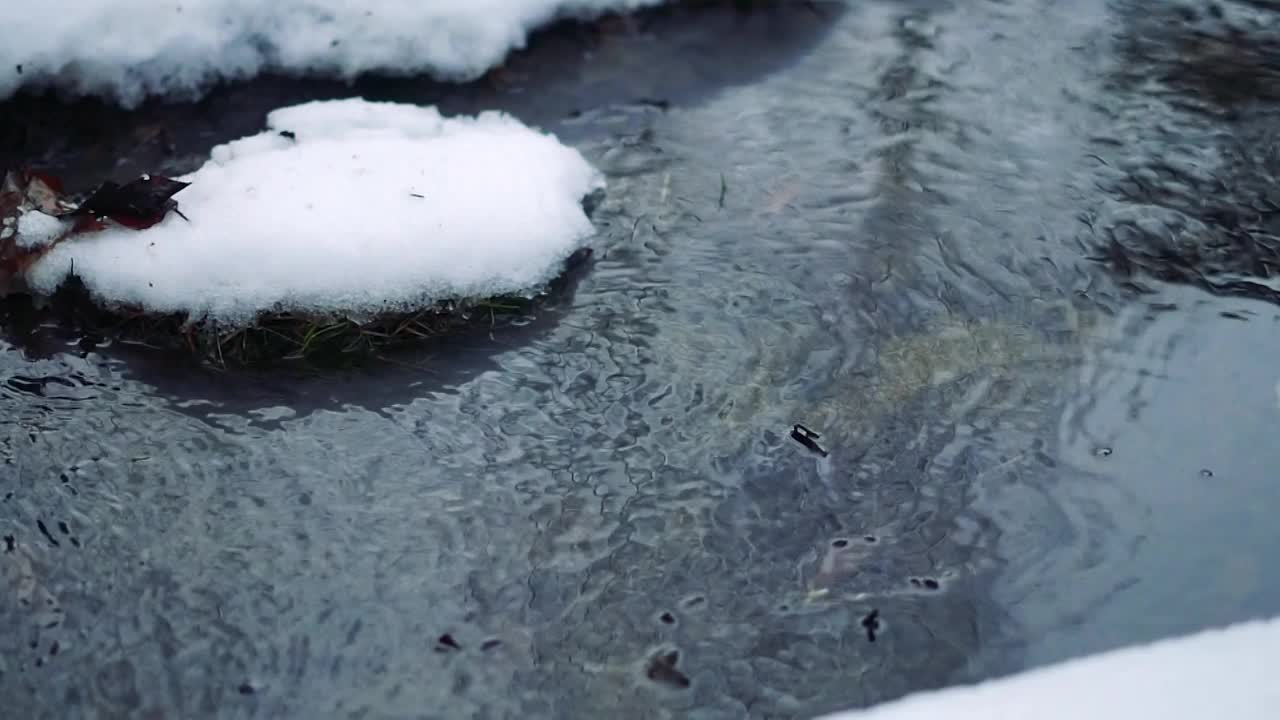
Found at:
[286, 338]
[282, 338]
[289, 337]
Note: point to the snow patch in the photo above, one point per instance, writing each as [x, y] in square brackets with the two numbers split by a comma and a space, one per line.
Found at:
[1226, 673]
[36, 229]
[128, 49]
[347, 207]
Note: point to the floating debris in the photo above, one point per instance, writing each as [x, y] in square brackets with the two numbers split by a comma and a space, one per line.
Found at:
[48, 536]
[807, 438]
[871, 623]
[926, 583]
[662, 669]
[693, 601]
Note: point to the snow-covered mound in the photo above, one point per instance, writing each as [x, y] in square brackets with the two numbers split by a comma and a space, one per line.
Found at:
[128, 49]
[347, 207]
[1214, 674]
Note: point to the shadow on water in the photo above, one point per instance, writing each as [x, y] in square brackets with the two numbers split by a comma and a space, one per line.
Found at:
[386, 380]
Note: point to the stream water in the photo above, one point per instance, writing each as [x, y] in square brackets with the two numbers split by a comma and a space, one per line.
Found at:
[1011, 261]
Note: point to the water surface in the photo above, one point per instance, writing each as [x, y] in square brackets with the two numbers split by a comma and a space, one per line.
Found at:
[1010, 261]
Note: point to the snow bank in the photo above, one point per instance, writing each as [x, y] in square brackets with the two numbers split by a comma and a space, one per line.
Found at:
[1215, 674]
[127, 49]
[347, 207]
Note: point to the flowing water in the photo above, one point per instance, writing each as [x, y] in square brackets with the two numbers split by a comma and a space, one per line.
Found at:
[1011, 261]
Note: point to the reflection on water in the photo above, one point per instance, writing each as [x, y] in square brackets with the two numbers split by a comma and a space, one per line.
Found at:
[880, 222]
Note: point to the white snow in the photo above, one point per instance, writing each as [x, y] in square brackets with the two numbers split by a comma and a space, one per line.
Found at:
[1224, 673]
[127, 49]
[374, 207]
[36, 229]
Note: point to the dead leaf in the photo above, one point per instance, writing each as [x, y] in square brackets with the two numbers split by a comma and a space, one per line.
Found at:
[138, 204]
[43, 192]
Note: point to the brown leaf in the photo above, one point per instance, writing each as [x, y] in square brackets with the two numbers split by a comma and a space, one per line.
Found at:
[20, 192]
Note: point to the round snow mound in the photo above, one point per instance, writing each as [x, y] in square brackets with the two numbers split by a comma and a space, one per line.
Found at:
[349, 208]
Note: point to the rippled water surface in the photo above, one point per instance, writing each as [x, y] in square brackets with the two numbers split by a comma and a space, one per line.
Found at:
[1011, 261]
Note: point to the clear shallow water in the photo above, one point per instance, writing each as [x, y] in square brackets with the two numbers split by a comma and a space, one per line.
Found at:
[900, 256]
